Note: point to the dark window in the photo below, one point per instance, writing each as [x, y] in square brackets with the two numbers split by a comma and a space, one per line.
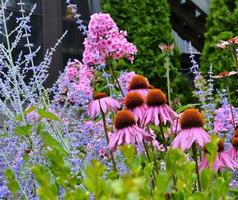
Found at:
[49, 21]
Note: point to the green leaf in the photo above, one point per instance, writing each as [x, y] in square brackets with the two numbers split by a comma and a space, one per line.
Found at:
[206, 178]
[28, 110]
[182, 108]
[47, 190]
[23, 130]
[12, 183]
[53, 143]
[48, 115]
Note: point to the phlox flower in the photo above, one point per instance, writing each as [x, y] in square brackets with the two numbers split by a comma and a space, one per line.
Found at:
[32, 117]
[105, 41]
[191, 131]
[101, 102]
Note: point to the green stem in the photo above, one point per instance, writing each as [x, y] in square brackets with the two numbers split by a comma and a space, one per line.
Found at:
[115, 78]
[167, 63]
[146, 151]
[106, 134]
[156, 166]
[162, 133]
[232, 113]
[233, 52]
[196, 162]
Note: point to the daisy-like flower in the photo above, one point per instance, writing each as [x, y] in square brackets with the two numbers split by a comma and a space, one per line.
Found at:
[191, 122]
[139, 84]
[224, 44]
[158, 111]
[127, 132]
[223, 160]
[233, 152]
[102, 101]
[135, 103]
[225, 74]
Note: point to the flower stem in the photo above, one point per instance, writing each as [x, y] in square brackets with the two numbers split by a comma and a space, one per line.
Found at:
[233, 52]
[196, 162]
[152, 146]
[162, 133]
[148, 156]
[106, 134]
[115, 78]
[167, 63]
[146, 151]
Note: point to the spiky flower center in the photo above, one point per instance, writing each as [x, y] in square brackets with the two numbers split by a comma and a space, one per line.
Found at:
[151, 87]
[191, 118]
[235, 142]
[138, 82]
[124, 119]
[235, 134]
[99, 95]
[155, 98]
[220, 145]
[133, 100]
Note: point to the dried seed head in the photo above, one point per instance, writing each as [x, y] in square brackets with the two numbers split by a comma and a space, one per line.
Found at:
[155, 97]
[124, 119]
[191, 118]
[99, 95]
[138, 82]
[134, 99]
[220, 145]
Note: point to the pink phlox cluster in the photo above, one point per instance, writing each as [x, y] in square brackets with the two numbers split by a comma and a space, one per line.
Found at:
[72, 70]
[105, 41]
[76, 81]
[32, 117]
[223, 118]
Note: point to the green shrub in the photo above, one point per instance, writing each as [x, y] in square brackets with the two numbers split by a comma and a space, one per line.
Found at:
[221, 25]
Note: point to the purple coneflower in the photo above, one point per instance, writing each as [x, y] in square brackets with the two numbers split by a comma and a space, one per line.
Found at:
[191, 131]
[139, 84]
[223, 160]
[127, 132]
[135, 103]
[102, 102]
[233, 152]
[158, 111]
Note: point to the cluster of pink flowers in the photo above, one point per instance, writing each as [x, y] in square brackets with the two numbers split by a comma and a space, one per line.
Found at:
[76, 80]
[32, 117]
[224, 118]
[105, 40]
